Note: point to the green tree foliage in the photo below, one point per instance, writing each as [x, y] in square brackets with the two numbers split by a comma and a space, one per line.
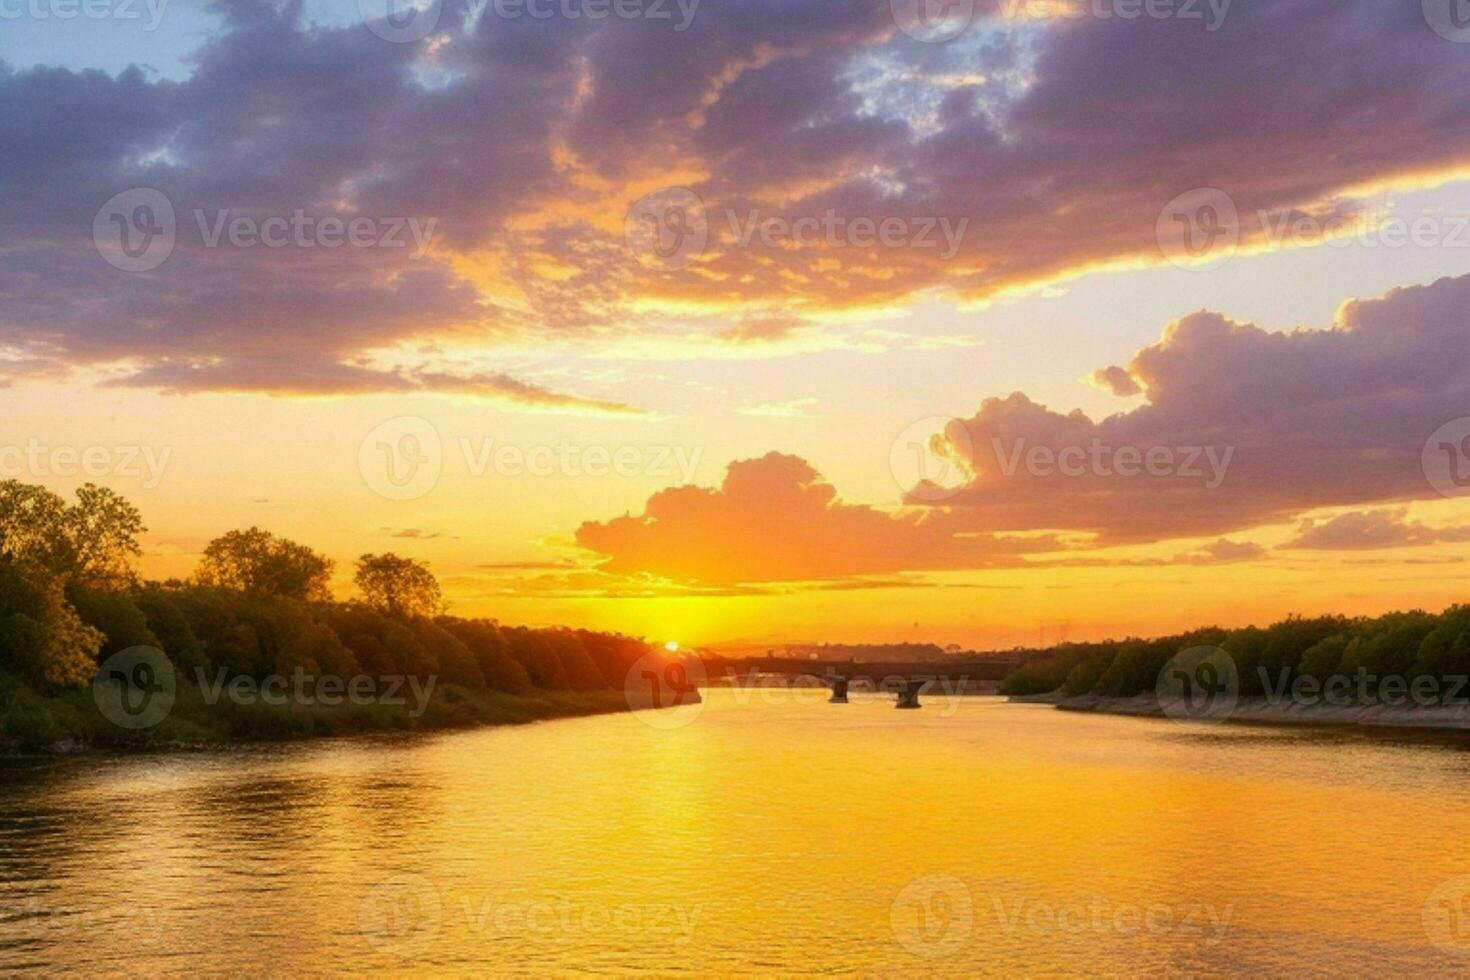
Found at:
[457, 665]
[42, 639]
[93, 540]
[1388, 645]
[613, 654]
[101, 533]
[32, 526]
[115, 614]
[532, 650]
[488, 645]
[1323, 659]
[398, 586]
[1045, 674]
[167, 622]
[259, 607]
[1402, 645]
[259, 563]
[577, 664]
[1085, 674]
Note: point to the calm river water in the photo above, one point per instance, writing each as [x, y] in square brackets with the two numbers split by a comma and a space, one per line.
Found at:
[768, 833]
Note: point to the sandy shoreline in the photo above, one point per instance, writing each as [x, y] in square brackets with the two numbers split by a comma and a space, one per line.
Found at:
[1266, 711]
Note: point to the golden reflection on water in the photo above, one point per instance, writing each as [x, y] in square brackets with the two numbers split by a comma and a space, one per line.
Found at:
[770, 834]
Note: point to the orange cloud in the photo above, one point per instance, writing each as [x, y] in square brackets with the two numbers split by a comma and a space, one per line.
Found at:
[776, 519]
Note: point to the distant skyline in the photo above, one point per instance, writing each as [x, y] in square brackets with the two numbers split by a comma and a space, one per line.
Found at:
[658, 324]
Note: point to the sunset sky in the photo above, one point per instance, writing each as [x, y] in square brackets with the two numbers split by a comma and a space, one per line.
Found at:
[765, 321]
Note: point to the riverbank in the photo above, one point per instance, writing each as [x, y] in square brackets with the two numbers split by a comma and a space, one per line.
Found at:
[70, 723]
[1275, 712]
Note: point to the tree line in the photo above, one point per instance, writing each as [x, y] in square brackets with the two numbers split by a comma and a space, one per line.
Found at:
[1400, 645]
[257, 605]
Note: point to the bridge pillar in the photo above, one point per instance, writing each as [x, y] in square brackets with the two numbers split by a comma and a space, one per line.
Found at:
[908, 695]
[839, 690]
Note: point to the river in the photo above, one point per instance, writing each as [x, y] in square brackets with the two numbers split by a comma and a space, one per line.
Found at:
[759, 832]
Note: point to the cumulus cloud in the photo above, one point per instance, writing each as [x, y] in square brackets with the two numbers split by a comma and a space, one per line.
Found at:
[535, 135]
[1116, 381]
[1241, 427]
[1366, 530]
[776, 519]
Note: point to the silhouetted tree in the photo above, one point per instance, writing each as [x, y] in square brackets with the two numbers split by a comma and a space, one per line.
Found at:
[398, 586]
[260, 563]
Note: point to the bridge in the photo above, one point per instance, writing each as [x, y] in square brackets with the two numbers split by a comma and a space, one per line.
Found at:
[907, 679]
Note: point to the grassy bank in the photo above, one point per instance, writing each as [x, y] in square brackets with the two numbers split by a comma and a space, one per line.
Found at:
[1453, 717]
[31, 723]
[1400, 670]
